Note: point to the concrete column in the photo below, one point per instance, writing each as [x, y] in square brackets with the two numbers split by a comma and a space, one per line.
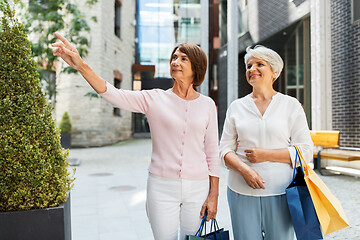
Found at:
[320, 25]
[232, 50]
[204, 88]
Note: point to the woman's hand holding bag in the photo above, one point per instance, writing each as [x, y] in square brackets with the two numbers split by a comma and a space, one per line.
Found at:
[217, 234]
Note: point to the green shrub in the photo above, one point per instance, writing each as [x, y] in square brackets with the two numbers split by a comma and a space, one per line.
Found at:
[33, 168]
[65, 124]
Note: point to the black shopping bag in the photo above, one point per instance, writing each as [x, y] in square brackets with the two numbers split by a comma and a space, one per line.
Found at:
[301, 207]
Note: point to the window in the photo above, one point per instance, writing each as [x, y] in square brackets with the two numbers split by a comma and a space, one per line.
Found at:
[356, 10]
[190, 28]
[117, 84]
[189, 1]
[117, 18]
[242, 17]
[223, 22]
[297, 66]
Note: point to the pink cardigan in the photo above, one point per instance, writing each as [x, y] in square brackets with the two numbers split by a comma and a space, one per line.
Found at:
[184, 132]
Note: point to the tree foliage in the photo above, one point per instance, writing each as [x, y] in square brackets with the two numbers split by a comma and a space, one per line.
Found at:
[33, 168]
[44, 17]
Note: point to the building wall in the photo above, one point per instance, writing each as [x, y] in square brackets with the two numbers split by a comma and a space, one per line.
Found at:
[271, 16]
[345, 45]
[92, 118]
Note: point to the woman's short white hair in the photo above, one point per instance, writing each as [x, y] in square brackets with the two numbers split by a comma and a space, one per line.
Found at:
[273, 58]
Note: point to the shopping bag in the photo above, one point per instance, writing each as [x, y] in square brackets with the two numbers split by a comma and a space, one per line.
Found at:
[198, 232]
[301, 208]
[328, 208]
[217, 234]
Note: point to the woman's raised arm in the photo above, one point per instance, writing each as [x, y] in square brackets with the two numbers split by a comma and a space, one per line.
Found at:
[71, 56]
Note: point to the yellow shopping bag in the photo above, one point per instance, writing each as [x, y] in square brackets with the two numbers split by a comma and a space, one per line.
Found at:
[328, 208]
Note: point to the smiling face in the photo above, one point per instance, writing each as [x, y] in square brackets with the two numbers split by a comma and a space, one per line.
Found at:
[259, 72]
[180, 67]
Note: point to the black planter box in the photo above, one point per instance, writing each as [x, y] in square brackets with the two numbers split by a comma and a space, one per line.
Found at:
[65, 140]
[38, 224]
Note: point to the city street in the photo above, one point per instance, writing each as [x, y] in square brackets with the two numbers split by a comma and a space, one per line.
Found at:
[108, 198]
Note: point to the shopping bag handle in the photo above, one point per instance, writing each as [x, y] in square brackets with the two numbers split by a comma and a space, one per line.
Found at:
[203, 227]
[305, 166]
[216, 228]
[296, 159]
[199, 231]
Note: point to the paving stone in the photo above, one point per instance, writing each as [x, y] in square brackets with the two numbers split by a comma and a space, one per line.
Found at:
[108, 198]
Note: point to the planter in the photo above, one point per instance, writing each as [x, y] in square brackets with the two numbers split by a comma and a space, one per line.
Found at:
[65, 140]
[38, 224]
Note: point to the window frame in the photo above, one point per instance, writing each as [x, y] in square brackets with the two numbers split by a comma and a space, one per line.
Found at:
[117, 18]
[353, 5]
[303, 28]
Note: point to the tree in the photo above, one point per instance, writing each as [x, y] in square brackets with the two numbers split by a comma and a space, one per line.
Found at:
[33, 168]
[42, 19]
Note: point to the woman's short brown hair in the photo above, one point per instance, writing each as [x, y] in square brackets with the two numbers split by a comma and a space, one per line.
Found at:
[197, 58]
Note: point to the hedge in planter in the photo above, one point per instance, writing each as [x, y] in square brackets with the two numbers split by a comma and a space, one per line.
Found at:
[65, 124]
[65, 130]
[33, 168]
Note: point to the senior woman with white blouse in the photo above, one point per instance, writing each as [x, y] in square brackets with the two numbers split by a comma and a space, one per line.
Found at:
[259, 133]
[184, 170]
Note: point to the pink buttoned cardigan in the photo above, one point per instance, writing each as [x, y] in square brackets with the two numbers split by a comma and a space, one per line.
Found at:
[184, 133]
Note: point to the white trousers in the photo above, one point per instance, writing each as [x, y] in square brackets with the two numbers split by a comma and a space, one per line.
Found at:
[175, 203]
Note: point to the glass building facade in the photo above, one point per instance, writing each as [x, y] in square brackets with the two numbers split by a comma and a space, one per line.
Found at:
[163, 24]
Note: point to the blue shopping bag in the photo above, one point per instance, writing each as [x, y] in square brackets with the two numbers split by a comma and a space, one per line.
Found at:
[217, 234]
[301, 207]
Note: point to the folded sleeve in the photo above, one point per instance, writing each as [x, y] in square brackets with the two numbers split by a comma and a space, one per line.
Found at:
[134, 101]
[228, 142]
[300, 135]
[211, 143]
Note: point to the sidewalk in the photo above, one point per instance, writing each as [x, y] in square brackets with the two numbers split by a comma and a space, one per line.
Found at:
[108, 198]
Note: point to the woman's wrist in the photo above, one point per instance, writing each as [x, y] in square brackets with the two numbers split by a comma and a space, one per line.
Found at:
[214, 187]
[242, 167]
[83, 67]
[213, 194]
[279, 155]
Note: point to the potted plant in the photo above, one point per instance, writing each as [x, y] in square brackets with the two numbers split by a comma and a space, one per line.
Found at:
[34, 176]
[65, 130]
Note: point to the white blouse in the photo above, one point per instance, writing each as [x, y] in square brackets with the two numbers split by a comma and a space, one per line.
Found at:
[282, 126]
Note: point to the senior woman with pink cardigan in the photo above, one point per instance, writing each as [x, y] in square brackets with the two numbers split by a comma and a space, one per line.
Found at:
[184, 170]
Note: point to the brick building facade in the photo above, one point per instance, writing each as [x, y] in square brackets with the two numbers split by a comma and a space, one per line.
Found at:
[111, 55]
[345, 68]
